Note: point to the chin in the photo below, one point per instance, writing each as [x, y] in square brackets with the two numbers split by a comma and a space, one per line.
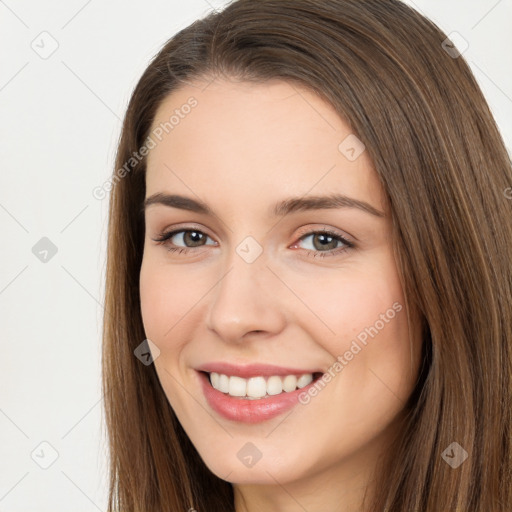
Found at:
[263, 472]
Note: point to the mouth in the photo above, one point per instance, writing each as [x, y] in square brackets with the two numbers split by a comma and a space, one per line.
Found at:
[253, 409]
[259, 387]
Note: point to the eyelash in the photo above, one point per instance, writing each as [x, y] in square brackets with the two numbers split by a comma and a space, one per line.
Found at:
[163, 239]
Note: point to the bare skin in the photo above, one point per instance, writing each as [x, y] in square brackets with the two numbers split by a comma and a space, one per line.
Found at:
[243, 148]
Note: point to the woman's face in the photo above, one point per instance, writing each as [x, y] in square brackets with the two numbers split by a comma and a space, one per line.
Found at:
[257, 294]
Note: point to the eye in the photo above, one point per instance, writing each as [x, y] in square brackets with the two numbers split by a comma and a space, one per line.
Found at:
[324, 239]
[194, 238]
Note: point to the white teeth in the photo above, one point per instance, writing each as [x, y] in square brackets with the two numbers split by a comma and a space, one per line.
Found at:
[237, 386]
[290, 383]
[214, 379]
[258, 387]
[223, 383]
[304, 380]
[274, 385]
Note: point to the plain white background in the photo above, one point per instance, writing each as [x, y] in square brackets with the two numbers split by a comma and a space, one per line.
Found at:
[60, 122]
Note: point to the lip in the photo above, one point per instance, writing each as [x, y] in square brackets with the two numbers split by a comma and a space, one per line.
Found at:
[250, 411]
[253, 370]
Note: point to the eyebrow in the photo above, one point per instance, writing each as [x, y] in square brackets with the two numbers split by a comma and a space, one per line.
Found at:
[290, 205]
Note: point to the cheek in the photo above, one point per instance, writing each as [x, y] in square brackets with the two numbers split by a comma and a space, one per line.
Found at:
[166, 295]
[363, 313]
[355, 299]
[165, 302]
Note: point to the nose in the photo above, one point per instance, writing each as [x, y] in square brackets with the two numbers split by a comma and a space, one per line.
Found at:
[248, 300]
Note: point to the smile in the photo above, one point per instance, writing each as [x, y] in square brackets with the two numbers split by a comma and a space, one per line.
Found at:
[258, 387]
[257, 396]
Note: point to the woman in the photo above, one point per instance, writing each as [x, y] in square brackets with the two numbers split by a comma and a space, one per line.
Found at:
[255, 373]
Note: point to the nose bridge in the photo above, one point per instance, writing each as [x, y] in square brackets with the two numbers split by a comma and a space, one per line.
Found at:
[246, 298]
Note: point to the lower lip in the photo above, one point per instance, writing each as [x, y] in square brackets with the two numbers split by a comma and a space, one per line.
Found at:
[249, 411]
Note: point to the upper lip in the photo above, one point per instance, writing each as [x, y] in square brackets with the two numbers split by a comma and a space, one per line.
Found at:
[252, 370]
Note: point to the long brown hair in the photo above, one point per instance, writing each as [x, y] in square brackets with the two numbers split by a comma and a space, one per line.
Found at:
[445, 171]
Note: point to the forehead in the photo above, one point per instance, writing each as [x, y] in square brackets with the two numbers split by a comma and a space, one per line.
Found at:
[273, 138]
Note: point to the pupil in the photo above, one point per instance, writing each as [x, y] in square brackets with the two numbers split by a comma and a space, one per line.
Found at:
[195, 236]
[324, 240]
